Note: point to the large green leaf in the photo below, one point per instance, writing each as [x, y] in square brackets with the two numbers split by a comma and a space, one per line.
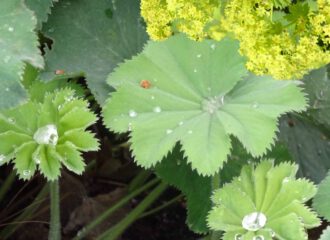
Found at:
[91, 38]
[317, 85]
[18, 44]
[322, 198]
[175, 170]
[308, 145]
[41, 8]
[197, 96]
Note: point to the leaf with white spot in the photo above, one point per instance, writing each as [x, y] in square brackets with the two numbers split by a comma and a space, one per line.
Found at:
[198, 94]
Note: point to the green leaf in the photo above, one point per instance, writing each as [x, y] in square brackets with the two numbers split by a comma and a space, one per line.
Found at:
[275, 207]
[50, 162]
[196, 97]
[326, 234]
[18, 44]
[71, 158]
[41, 8]
[92, 41]
[175, 171]
[308, 145]
[322, 198]
[82, 140]
[317, 86]
[24, 163]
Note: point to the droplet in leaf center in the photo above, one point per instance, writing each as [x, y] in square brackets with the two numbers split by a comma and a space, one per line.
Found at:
[254, 221]
[46, 135]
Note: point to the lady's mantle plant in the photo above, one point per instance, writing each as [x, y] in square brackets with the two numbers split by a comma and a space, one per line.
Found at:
[264, 203]
[42, 135]
[198, 94]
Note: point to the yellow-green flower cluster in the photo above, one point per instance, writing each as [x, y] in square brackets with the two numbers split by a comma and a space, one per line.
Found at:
[284, 45]
[164, 17]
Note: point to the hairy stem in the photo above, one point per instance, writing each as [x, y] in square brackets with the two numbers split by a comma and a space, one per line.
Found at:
[55, 222]
[215, 185]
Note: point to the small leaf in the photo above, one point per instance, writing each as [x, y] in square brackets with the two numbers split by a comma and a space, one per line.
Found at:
[70, 120]
[24, 163]
[71, 158]
[82, 140]
[50, 164]
[196, 97]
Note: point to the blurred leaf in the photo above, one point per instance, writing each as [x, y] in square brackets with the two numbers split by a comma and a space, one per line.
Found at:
[308, 145]
[41, 8]
[326, 234]
[317, 86]
[18, 44]
[91, 38]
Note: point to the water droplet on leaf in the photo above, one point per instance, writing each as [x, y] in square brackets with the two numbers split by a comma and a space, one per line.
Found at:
[259, 237]
[213, 46]
[195, 70]
[255, 105]
[199, 55]
[254, 221]
[152, 97]
[238, 237]
[46, 135]
[132, 113]
[26, 172]
[169, 131]
[51, 30]
[157, 109]
[10, 29]
[180, 123]
[190, 132]
[286, 180]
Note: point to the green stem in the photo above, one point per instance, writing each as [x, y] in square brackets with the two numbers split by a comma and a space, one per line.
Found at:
[7, 184]
[26, 214]
[161, 207]
[215, 185]
[114, 232]
[138, 181]
[55, 222]
[102, 217]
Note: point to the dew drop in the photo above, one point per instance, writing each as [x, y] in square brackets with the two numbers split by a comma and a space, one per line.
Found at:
[11, 29]
[258, 237]
[129, 126]
[51, 30]
[286, 180]
[2, 158]
[26, 172]
[37, 160]
[254, 221]
[180, 123]
[46, 135]
[11, 120]
[213, 46]
[178, 162]
[272, 233]
[195, 70]
[190, 132]
[59, 107]
[169, 131]
[7, 89]
[152, 97]
[132, 113]
[255, 105]
[199, 55]
[238, 237]
[69, 98]
[157, 109]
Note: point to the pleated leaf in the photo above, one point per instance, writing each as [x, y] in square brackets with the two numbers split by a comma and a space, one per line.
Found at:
[198, 94]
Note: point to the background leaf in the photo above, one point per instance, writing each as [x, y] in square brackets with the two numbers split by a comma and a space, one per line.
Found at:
[18, 44]
[93, 40]
[308, 145]
[321, 200]
[175, 171]
[326, 234]
[41, 8]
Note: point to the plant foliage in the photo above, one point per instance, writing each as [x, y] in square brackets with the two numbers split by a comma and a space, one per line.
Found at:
[52, 135]
[18, 44]
[200, 93]
[269, 202]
